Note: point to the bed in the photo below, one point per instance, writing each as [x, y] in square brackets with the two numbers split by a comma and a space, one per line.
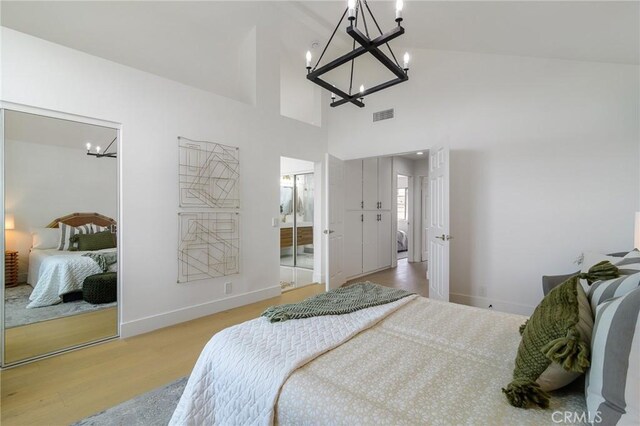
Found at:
[54, 273]
[403, 242]
[423, 362]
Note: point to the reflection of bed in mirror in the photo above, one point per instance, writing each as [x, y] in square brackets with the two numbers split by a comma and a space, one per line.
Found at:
[67, 286]
[403, 242]
[58, 275]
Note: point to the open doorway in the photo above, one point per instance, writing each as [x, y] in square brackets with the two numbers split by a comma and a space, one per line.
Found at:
[403, 206]
[297, 215]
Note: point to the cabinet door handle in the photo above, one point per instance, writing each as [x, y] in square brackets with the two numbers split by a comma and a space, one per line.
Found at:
[362, 204]
[361, 218]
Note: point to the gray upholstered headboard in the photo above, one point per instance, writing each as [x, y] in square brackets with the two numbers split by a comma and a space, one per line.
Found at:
[551, 281]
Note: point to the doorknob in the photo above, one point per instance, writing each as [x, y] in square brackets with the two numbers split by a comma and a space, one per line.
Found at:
[328, 231]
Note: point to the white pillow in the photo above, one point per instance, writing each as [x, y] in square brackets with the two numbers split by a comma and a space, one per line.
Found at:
[45, 238]
[97, 228]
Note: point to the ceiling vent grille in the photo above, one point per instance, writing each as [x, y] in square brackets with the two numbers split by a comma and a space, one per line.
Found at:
[383, 115]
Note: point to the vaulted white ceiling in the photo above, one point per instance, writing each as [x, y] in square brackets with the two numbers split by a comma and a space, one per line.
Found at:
[202, 43]
[42, 130]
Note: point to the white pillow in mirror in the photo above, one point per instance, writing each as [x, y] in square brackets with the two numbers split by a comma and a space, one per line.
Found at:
[45, 238]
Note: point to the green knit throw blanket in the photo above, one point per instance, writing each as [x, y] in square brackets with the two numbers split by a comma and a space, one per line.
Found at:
[104, 260]
[550, 335]
[340, 301]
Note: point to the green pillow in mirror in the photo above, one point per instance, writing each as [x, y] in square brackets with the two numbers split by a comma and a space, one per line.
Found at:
[97, 241]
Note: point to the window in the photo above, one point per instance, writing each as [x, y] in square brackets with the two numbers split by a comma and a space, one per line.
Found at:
[402, 203]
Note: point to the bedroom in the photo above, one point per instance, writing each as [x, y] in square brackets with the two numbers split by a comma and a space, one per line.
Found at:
[538, 123]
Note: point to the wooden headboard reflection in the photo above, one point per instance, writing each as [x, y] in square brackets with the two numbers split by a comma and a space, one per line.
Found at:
[77, 219]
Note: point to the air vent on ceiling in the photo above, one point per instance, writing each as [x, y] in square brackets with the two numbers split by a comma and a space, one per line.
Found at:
[383, 115]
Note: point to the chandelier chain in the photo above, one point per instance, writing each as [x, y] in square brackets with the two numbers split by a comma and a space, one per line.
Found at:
[364, 19]
[353, 47]
[380, 30]
[331, 38]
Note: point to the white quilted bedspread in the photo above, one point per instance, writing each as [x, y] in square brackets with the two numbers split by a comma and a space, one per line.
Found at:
[237, 379]
[61, 275]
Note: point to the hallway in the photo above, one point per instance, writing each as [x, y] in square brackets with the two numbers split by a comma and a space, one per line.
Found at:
[408, 276]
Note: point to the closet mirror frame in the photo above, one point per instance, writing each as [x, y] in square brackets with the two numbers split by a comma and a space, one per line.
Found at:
[20, 108]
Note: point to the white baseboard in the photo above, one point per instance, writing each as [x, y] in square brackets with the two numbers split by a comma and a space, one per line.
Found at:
[498, 305]
[154, 322]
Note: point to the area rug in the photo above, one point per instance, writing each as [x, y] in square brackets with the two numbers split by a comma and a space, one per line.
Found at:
[150, 409]
[17, 314]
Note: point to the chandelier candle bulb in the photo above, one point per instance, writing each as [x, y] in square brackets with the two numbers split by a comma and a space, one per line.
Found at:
[97, 150]
[351, 5]
[406, 60]
[308, 57]
[399, 6]
[88, 146]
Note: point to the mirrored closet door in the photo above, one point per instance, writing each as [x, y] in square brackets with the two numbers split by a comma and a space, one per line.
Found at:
[60, 236]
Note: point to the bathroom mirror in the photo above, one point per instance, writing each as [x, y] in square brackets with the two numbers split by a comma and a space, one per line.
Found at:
[60, 238]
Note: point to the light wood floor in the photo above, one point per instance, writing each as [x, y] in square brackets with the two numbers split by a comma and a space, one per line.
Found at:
[407, 276]
[30, 340]
[69, 387]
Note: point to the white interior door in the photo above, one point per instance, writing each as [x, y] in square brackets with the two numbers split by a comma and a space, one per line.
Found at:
[385, 243]
[334, 229]
[384, 183]
[439, 237]
[424, 232]
[353, 183]
[353, 243]
[370, 241]
[370, 183]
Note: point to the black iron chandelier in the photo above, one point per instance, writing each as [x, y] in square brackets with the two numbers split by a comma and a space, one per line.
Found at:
[356, 11]
[98, 153]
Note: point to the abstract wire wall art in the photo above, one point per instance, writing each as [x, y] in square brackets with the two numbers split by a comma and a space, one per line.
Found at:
[209, 245]
[208, 175]
[209, 233]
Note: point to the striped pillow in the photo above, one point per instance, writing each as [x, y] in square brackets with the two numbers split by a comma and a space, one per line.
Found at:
[98, 228]
[602, 291]
[68, 231]
[613, 381]
[630, 264]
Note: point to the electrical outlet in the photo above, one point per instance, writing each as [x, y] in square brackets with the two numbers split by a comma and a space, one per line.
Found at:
[227, 288]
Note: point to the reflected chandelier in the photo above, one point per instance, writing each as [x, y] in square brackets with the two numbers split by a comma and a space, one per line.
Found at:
[356, 11]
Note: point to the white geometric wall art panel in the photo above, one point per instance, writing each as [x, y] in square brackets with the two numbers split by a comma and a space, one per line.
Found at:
[209, 245]
[208, 174]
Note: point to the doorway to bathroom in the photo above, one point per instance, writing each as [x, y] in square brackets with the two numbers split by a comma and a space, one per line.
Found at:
[297, 250]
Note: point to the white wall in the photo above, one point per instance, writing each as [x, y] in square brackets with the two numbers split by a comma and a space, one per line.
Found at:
[299, 99]
[44, 182]
[289, 166]
[153, 112]
[544, 161]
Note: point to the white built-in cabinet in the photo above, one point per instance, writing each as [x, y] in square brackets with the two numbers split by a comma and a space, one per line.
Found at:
[368, 239]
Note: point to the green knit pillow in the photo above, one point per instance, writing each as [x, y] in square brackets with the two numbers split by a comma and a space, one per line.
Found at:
[97, 241]
[554, 349]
